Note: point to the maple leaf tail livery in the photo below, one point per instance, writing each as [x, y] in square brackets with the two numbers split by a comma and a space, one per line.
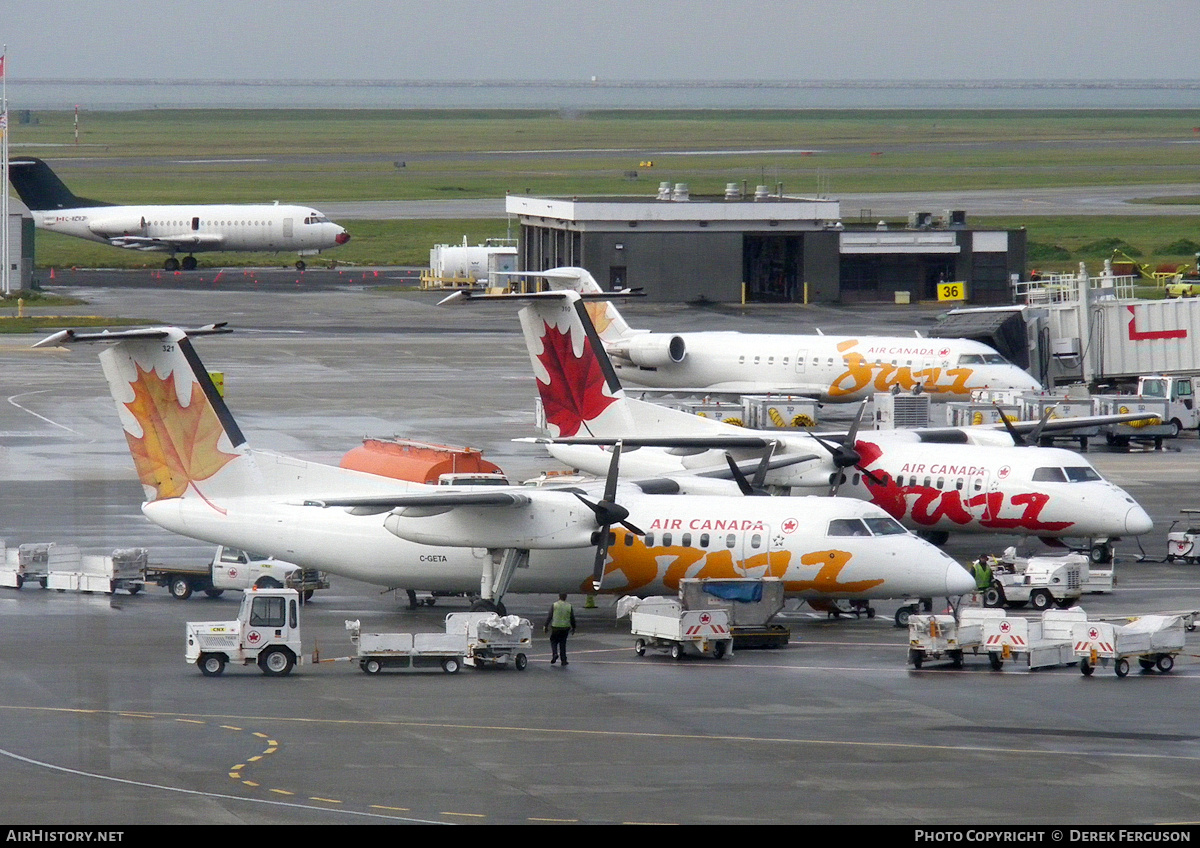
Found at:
[202, 480]
[837, 369]
[181, 228]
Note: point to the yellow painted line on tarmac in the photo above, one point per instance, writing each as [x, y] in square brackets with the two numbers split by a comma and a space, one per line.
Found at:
[324, 800]
[250, 783]
[281, 792]
[231, 727]
[190, 721]
[466, 815]
[553, 821]
[389, 809]
[254, 759]
[263, 736]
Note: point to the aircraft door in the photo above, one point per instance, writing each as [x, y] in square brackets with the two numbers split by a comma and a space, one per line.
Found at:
[287, 228]
[981, 497]
[756, 553]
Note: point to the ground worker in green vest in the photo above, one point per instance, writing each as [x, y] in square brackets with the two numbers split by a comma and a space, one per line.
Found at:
[561, 623]
[983, 572]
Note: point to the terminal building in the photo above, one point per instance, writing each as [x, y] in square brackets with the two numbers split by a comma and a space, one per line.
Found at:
[764, 247]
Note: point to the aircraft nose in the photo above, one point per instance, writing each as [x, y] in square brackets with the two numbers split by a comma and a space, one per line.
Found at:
[342, 237]
[958, 580]
[1137, 521]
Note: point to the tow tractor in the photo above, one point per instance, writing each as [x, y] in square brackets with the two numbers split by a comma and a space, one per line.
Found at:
[266, 632]
[1040, 581]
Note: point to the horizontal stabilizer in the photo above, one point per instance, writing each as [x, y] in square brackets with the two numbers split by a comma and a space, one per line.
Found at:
[75, 336]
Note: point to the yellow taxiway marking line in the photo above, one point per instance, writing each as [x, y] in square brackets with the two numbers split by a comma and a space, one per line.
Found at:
[324, 800]
[262, 736]
[281, 792]
[272, 750]
[468, 815]
[254, 759]
[250, 783]
[556, 821]
[391, 809]
[190, 721]
[230, 727]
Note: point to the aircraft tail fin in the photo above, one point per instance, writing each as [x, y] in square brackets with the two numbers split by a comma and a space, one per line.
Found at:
[40, 189]
[579, 389]
[606, 318]
[181, 434]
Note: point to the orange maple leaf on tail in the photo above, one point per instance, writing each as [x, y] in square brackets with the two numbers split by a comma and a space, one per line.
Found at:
[178, 445]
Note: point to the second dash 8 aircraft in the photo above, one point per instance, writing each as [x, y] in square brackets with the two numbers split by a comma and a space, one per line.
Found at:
[186, 228]
[933, 480]
[202, 480]
[837, 369]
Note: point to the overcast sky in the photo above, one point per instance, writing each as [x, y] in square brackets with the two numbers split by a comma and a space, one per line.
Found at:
[609, 39]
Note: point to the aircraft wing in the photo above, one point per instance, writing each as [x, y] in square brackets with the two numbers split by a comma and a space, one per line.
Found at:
[722, 442]
[183, 241]
[504, 518]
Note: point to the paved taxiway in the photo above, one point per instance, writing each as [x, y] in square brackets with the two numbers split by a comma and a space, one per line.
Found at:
[102, 722]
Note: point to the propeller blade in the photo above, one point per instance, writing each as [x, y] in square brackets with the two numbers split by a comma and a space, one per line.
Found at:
[601, 556]
[739, 477]
[633, 528]
[610, 483]
[1037, 431]
[1017, 438]
[760, 475]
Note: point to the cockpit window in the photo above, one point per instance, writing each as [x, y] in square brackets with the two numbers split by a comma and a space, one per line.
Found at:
[982, 359]
[1049, 475]
[885, 526]
[848, 527]
[1076, 474]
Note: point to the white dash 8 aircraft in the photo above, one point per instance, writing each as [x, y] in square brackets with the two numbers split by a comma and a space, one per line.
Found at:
[202, 481]
[836, 369]
[933, 480]
[183, 228]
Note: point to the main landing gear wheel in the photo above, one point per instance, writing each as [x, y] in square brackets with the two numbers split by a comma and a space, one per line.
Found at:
[300, 266]
[484, 605]
[904, 613]
[1100, 553]
[189, 263]
[172, 264]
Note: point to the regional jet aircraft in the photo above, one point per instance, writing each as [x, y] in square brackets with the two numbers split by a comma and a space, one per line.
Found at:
[933, 480]
[186, 228]
[202, 481]
[835, 369]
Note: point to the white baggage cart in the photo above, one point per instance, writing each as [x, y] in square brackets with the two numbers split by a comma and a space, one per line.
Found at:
[493, 639]
[408, 651]
[937, 636]
[1153, 640]
[1043, 642]
[663, 624]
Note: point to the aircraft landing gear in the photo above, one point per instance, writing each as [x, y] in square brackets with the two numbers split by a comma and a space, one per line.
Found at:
[300, 266]
[172, 264]
[189, 263]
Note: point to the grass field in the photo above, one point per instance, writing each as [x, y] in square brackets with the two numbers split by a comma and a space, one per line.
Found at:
[166, 156]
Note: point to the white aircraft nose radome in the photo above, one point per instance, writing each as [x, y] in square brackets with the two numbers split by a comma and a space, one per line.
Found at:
[1137, 521]
[958, 580]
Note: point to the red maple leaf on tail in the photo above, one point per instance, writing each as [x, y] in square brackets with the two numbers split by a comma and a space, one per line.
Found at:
[575, 393]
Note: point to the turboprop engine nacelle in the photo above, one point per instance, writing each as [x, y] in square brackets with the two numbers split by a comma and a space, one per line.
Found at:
[651, 350]
[567, 524]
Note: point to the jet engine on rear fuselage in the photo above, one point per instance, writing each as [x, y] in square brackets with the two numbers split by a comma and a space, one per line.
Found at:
[650, 350]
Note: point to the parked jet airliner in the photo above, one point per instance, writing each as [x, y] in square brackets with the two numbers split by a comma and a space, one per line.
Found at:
[202, 481]
[835, 369]
[184, 228]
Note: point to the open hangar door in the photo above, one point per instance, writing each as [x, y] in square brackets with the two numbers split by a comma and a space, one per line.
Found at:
[877, 277]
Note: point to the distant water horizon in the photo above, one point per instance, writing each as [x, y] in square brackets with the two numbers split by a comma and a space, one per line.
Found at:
[132, 94]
